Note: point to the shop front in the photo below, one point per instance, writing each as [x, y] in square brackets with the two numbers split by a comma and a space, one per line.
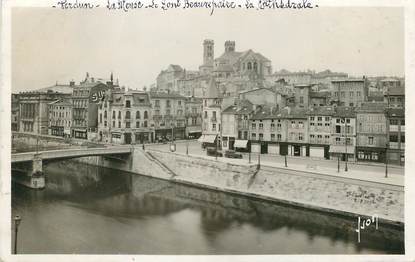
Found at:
[371, 154]
[208, 140]
[80, 133]
[57, 131]
[241, 145]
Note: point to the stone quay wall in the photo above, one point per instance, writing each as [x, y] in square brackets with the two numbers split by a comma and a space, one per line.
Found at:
[346, 198]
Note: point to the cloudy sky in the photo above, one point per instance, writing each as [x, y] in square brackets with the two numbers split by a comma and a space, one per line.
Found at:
[50, 45]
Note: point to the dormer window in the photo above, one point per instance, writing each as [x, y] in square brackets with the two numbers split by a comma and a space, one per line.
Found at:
[128, 103]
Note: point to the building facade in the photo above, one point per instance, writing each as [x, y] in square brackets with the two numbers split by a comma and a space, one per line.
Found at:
[343, 134]
[371, 132]
[319, 121]
[396, 135]
[349, 92]
[193, 115]
[60, 118]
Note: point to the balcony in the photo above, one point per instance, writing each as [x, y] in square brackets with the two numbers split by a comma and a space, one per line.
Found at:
[393, 128]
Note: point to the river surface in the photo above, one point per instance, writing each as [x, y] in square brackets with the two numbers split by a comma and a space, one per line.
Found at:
[93, 210]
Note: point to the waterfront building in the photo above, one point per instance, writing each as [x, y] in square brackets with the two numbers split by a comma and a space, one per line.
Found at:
[349, 92]
[396, 135]
[168, 115]
[124, 117]
[212, 108]
[319, 129]
[60, 117]
[371, 132]
[193, 115]
[235, 119]
[34, 109]
[343, 133]
[85, 99]
[15, 115]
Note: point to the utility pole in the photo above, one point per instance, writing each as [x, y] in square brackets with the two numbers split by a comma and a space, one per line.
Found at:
[386, 160]
[285, 160]
[338, 164]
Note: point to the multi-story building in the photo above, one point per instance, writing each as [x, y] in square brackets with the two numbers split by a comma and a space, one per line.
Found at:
[293, 78]
[302, 95]
[283, 132]
[395, 97]
[167, 79]
[211, 115]
[395, 125]
[34, 109]
[349, 92]
[192, 84]
[124, 117]
[389, 83]
[235, 120]
[60, 117]
[168, 115]
[319, 98]
[85, 99]
[264, 96]
[343, 133]
[15, 112]
[371, 132]
[319, 122]
[193, 114]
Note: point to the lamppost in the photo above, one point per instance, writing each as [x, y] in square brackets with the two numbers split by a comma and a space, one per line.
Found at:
[187, 147]
[338, 164]
[386, 160]
[259, 156]
[172, 145]
[17, 219]
[285, 160]
[345, 144]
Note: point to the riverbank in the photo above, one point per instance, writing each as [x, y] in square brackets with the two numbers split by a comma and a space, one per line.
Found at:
[346, 196]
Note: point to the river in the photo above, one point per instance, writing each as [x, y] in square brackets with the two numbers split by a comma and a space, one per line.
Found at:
[92, 210]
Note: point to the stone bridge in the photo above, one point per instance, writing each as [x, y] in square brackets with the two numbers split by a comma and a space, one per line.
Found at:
[31, 162]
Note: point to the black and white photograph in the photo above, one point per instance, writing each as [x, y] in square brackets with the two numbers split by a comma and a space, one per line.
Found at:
[227, 128]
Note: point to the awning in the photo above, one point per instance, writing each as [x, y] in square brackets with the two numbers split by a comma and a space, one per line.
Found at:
[194, 129]
[241, 143]
[207, 139]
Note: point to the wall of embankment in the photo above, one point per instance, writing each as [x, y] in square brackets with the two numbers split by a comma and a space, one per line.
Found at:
[347, 197]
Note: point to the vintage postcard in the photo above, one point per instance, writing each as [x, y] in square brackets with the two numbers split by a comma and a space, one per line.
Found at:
[213, 130]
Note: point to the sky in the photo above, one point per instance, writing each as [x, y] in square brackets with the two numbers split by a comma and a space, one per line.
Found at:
[51, 45]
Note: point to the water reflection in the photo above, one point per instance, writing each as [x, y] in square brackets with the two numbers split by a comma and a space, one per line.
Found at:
[85, 209]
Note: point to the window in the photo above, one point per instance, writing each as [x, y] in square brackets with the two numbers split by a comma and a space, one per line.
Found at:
[311, 124]
[105, 123]
[336, 94]
[311, 136]
[261, 136]
[214, 127]
[351, 93]
[253, 136]
[402, 138]
[127, 115]
[100, 118]
[393, 138]
[119, 124]
[348, 120]
[119, 114]
[402, 122]
[137, 124]
[168, 103]
[279, 136]
[157, 103]
[128, 103]
[261, 126]
[179, 102]
[137, 115]
[249, 66]
[292, 124]
[145, 124]
[127, 124]
[272, 125]
[214, 115]
[301, 100]
[113, 123]
[113, 114]
[311, 118]
[300, 136]
[370, 140]
[319, 124]
[319, 118]
[253, 126]
[300, 123]
[206, 115]
[338, 120]
[338, 129]
[342, 94]
[167, 111]
[358, 93]
[272, 137]
[351, 104]
[145, 115]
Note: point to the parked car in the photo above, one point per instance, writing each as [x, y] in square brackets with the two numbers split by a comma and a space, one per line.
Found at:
[232, 154]
[211, 151]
